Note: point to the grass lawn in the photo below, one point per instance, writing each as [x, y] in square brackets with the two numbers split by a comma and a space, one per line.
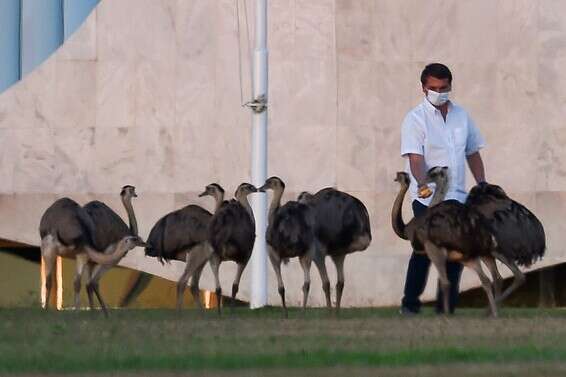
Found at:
[249, 343]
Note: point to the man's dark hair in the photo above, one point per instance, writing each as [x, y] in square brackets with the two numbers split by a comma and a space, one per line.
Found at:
[436, 70]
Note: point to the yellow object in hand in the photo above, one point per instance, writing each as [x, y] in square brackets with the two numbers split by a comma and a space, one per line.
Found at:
[424, 192]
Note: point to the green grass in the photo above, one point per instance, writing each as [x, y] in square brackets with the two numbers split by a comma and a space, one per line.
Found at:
[32, 341]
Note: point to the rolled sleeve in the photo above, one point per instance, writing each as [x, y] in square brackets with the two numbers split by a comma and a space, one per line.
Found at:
[412, 136]
[475, 140]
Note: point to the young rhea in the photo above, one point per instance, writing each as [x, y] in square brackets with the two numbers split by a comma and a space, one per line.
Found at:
[342, 226]
[290, 234]
[183, 235]
[519, 234]
[109, 229]
[436, 175]
[448, 231]
[67, 230]
[232, 236]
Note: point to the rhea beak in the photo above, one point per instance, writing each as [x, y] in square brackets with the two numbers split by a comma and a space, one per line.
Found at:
[204, 193]
[262, 188]
[141, 243]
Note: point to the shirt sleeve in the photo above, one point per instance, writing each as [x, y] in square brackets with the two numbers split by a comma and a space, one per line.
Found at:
[475, 140]
[412, 136]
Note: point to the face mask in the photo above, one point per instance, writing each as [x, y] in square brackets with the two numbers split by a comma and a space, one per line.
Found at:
[437, 99]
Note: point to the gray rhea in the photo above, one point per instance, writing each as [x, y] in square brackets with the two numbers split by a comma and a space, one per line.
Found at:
[290, 234]
[109, 229]
[448, 231]
[341, 226]
[438, 176]
[183, 235]
[232, 237]
[66, 229]
[519, 234]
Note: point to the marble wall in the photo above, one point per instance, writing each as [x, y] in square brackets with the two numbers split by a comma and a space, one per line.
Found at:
[147, 93]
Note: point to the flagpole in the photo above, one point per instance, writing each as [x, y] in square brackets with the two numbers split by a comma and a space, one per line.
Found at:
[258, 105]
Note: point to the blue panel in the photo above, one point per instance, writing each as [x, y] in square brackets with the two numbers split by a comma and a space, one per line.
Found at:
[42, 31]
[9, 42]
[75, 12]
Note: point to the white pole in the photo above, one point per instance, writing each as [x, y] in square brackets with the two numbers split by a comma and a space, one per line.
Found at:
[259, 156]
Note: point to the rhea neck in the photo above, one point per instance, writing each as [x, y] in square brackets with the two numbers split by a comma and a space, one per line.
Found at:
[398, 203]
[242, 198]
[112, 255]
[397, 213]
[440, 191]
[219, 198]
[275, 201]
[127, 202]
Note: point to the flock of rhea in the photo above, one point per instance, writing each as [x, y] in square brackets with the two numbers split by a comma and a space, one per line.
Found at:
[488, 227]
[329, 222]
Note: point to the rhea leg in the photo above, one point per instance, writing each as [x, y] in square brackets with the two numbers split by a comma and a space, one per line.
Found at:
[305, 261]
[206, 251]
[318, 259]
[90, 294]
[497, 279]
[236, 284]
[438, 257]
[182, 283]
[195, 288]
[92, 285]
[475, 265]
[49, 254]
[81, 267]
[518, 274]
[276, 263]
[195, 260]
[215, 267]
[339, 262]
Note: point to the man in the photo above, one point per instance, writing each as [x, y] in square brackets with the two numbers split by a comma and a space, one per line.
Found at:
[437, 133]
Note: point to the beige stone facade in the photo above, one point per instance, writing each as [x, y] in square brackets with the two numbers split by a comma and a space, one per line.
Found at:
[147, 93]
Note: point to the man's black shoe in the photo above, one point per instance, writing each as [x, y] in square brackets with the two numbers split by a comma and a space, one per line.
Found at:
[406, 312]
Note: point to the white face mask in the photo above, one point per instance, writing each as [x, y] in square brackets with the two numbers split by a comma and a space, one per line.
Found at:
[437, 99]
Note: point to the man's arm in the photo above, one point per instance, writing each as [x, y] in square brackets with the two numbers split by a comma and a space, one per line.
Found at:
[476, 166]
[416, 161]
[418, 169]
[412, 146]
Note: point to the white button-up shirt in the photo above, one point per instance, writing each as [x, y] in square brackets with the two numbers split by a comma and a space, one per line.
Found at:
[442, 143]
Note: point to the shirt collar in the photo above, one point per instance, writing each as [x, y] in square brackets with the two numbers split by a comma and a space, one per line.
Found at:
[430, 108]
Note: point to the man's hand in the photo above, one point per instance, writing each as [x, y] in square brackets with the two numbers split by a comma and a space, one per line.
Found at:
[424, 191]
[418, 170]
[476, 166]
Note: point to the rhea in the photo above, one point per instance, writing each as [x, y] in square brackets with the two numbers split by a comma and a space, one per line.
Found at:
[109, 228]
[448, 231]
[518, 232]
[290, 234]
[183, 235]
[232, 236]
[66, 229]
[342, 226]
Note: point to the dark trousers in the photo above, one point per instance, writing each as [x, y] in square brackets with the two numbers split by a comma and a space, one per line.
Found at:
[417, 274]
